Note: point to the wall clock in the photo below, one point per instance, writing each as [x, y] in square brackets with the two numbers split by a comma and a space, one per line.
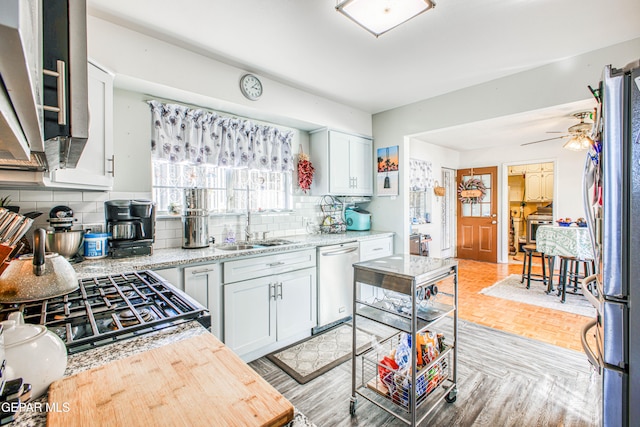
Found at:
[251, 87]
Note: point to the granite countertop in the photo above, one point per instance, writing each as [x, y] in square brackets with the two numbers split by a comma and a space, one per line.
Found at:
[175, 257]
[34, 413]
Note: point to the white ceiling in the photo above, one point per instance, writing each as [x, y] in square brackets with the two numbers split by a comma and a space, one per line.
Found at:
[308, 45]
[517, 129]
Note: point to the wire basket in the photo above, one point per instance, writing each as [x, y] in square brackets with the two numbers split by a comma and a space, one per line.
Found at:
[333, 221]
[395, 384]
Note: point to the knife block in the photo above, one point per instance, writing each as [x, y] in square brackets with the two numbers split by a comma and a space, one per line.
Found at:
[5, 259]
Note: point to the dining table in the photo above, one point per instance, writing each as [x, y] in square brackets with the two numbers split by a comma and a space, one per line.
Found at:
[566, 241]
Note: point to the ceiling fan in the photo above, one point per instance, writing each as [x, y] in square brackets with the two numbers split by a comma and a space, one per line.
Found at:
[577, 132]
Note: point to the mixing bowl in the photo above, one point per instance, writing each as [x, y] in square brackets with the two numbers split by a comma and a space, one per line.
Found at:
[66, 243]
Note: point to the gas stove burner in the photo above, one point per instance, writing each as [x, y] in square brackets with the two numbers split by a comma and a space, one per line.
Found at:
[128, 318]
[111, 308]
[127, 291]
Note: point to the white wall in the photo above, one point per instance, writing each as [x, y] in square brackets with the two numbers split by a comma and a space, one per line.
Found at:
[151, 66]
[559, 83]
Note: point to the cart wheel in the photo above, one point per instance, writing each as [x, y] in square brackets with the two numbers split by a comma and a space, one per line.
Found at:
[352, 406]
[451, 397]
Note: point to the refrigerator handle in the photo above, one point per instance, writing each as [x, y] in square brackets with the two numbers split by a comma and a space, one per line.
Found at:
[593, 359]
[586, 201]
[587, 291]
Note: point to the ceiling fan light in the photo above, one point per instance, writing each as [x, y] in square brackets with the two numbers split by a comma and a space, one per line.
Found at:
[380, 16]
[578, 143]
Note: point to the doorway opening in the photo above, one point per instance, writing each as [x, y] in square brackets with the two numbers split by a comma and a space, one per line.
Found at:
[530, 202]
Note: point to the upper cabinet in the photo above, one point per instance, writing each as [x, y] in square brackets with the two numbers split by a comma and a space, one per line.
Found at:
[343, 163]
[95, 169]
[539, 184]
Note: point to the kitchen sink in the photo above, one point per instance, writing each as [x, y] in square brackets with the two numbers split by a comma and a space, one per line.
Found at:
[237, 247]
[241, 246]
[274, 242]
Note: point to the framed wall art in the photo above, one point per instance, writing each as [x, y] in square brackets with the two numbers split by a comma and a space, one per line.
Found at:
[387, 178]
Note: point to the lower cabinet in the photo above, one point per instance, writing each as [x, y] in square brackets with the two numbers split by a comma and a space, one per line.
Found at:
[204, 284]
[264, 313]
[372, 249]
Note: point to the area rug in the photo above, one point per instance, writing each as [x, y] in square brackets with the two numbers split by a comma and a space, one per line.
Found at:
[511, 289]
[312, 357]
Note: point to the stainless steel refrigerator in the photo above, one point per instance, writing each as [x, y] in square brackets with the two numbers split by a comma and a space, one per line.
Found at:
[612, 202]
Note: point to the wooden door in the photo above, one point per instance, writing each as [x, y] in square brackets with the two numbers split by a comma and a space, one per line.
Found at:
[477, 218]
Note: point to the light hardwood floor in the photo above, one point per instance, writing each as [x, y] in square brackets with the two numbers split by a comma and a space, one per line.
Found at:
[503, 378]
[538, 323]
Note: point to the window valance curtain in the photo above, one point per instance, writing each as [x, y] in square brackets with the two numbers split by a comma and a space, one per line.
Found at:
[183, 134]
[420, 175]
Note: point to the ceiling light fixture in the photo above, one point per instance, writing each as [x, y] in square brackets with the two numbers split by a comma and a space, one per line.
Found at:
[380, 16]
[578, 142]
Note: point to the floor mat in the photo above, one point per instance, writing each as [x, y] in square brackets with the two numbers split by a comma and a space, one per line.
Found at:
[307, 359]
[511, 289]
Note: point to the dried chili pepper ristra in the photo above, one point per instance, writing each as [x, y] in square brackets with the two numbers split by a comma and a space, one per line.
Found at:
[305, 172]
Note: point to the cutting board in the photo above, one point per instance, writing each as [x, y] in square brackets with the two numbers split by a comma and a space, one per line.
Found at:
[194, 382]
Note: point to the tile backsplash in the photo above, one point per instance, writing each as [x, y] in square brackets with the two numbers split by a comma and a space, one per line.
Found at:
[88, 208]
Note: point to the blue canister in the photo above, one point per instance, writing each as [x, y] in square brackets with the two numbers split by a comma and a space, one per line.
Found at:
[95, 245]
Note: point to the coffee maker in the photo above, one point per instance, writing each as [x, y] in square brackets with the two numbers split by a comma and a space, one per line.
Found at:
[131, 227]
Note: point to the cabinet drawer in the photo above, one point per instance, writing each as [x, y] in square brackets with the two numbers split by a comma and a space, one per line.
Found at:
[250, 268]
[376, 248]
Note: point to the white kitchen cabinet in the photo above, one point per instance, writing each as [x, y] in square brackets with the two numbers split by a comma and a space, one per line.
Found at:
[539, 186]
[204, 284]
[372, 249]
[343, 163]
[269, 301]
[266, 313]
[172, 275]
[95, 168]
[376, 248]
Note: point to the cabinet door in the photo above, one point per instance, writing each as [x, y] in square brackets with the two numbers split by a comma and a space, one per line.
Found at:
[250, 315]
[533, 187]
[172, 275]
[517, 169]
[547, 186]
[340, 181]
[547, 167]
[296, 301]
[203, 283]
[95, 167]
[536, 167]
[360, 165]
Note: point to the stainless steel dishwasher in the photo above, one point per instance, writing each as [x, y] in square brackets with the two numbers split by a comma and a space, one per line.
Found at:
[335, 283]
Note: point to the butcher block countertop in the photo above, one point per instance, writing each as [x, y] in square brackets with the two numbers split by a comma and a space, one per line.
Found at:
[34, 413]
[196, 381]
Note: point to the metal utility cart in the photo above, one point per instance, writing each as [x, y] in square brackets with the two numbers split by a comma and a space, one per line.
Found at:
[404, 299]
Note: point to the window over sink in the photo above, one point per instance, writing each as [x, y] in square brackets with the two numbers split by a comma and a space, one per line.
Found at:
[243, 164]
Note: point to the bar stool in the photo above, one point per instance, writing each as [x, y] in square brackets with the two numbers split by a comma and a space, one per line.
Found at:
[529, 252]
[570, 274]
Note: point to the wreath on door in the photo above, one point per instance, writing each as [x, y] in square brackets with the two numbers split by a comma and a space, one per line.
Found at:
[471, 191]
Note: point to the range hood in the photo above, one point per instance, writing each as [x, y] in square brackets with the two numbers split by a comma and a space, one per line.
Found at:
[33, 140]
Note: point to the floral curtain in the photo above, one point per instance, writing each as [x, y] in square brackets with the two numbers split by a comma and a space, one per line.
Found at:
[182, 134]
[420, 175]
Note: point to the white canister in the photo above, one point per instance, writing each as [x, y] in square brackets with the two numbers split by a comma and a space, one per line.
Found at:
[95, 245]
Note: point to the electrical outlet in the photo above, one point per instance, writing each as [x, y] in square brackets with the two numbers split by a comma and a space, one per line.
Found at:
[94, 228]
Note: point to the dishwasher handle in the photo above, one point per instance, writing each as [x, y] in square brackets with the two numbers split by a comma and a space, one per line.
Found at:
[340, 251]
